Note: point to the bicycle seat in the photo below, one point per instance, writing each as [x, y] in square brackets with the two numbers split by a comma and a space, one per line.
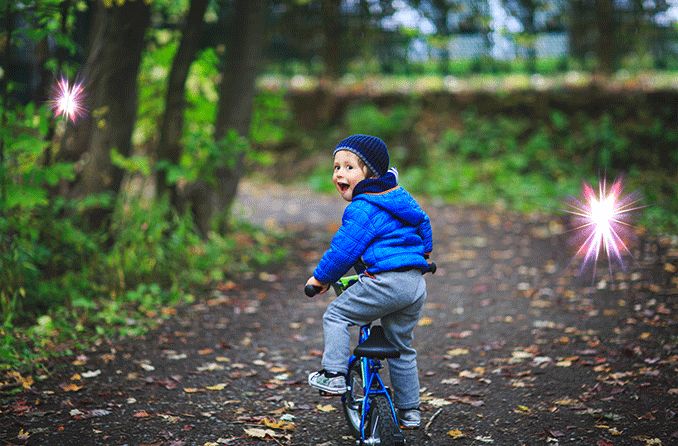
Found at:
[377, 346]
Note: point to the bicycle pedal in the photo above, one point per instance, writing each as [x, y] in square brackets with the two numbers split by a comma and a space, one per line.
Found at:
[327, 394]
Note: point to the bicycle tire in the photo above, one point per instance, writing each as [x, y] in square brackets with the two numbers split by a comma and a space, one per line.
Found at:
[380, 423]
[353, 399]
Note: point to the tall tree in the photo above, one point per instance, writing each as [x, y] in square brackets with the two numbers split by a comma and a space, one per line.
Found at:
[110, 73]
[332, 32]
[451, 17]
[577, 29]
[605, 43]
[8, 24]
[525, 11]
[171, 128]
[439, 12]
[245, 41]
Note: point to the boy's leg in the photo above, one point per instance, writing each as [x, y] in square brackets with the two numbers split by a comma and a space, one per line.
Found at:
[398, 327]
[364, 302]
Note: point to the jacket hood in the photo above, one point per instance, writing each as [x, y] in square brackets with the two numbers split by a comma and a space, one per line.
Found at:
[385, 193]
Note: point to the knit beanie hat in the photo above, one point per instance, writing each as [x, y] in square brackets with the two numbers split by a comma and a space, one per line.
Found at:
[370, 149]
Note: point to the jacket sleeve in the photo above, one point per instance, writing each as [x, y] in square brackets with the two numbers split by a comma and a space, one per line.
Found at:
[349, 243]
[426, 234]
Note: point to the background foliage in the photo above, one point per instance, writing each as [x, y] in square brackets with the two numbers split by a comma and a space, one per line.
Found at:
[519, 127]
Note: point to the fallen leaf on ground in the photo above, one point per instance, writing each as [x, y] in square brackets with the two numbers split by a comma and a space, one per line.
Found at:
[80, 360]
[565, 402]
[70, 387]
[425, 321]
[220, 386]
[522, 409]
[438, 402]
[458, 352]
[26, 382]
[282, 425]
[451, 381]
[648, 441]
[23, 435]
[455, 434]
[325, 408]
[91, 374]
[191, 390]
[465, 399]
[256, 432]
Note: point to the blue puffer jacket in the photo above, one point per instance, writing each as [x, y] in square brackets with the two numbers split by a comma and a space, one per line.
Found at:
[384, 226]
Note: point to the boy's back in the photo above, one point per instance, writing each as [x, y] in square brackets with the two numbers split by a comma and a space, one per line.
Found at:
[385, 228]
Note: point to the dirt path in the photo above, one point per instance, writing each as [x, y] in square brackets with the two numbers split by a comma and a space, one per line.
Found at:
[514, 348]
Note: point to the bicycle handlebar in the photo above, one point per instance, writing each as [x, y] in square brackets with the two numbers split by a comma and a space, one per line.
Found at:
[311, 290]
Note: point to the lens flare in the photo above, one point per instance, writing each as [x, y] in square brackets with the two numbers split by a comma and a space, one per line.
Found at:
[602, 221]
[67, 99]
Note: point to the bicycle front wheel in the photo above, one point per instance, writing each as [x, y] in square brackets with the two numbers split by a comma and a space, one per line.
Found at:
[352, 401]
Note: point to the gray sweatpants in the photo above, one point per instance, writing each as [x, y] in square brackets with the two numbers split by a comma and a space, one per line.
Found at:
[397, 298]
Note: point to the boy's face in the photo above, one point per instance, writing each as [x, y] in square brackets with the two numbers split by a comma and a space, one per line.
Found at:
[349, 170]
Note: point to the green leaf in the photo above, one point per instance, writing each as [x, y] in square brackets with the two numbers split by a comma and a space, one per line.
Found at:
[133, 164]
[82, 302]
[25, 196]
[102, 200]
[27, 144]
[59, 171]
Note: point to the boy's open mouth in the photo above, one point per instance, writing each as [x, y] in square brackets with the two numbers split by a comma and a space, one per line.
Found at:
[343, 187]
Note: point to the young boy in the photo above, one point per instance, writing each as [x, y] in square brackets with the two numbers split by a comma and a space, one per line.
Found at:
[384, 227]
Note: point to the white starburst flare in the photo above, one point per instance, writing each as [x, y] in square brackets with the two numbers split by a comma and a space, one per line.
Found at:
[67, 99]
[603, 222]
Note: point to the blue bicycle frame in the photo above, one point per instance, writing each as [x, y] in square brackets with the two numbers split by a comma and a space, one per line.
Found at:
[372, 383]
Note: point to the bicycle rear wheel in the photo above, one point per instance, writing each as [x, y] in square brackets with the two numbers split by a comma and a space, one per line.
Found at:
[352, 401]
[380, 423]
[380, 427]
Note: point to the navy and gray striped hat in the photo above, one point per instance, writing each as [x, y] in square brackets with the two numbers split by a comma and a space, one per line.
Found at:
[370, 149]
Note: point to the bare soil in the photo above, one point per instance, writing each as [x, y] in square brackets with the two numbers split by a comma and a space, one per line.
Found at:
[516, 347]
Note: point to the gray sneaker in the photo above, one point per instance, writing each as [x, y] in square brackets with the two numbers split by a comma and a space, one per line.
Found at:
[409, 418]
[332, 384]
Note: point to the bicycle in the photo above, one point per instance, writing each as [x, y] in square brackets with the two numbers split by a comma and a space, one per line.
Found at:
[368, 402]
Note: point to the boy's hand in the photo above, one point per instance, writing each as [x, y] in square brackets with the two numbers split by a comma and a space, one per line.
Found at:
[322, 286]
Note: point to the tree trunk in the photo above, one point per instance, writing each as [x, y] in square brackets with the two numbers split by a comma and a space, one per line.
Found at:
[332, 32]
[4, 94]
[236, 97]
[578, 29]
[531, 30]
[46, 77]
[110, 73]
[605, 47]
[171, 129]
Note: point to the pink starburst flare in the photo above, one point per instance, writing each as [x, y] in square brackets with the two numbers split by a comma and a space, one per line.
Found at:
[67, 99]
[602, 222]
